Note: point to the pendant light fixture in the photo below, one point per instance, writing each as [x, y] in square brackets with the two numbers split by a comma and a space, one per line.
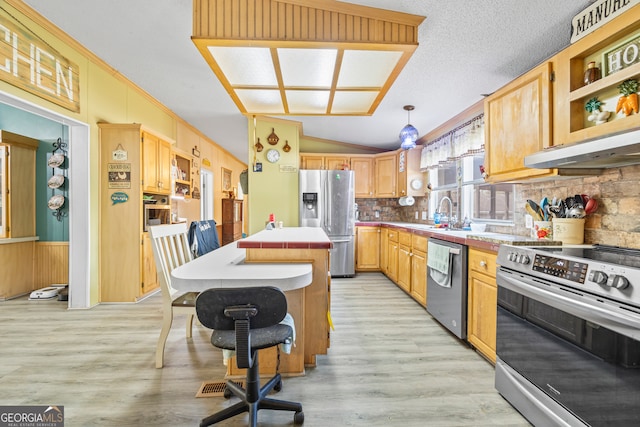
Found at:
[408, 134]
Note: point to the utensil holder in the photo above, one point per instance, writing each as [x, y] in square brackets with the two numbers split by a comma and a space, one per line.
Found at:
[569, 231]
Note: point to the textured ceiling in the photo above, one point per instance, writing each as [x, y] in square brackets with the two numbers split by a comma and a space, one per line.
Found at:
[467, 48]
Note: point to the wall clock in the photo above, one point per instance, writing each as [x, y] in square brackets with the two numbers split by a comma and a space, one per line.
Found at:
[273, 155]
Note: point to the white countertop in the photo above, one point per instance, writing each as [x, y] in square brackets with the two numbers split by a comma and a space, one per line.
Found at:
[226, 267]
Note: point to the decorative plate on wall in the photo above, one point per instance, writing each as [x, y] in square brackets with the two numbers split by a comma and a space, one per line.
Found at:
[56, 160]
[56, 181]
[56, 202]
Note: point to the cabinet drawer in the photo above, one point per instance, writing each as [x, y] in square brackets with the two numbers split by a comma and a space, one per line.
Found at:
[483, 262]
[404, 238]
[393, 236]
[419, 243]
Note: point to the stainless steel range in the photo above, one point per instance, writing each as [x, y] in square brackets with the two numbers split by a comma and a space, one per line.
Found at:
[568, 334]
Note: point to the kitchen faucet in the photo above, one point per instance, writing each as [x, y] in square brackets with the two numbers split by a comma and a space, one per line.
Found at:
[452, 218]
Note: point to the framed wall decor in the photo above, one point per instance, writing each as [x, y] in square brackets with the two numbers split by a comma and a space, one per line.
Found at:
[226, 179]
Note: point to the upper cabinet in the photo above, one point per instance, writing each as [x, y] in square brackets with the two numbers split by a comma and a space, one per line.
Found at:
[386, 170]
[617, 39]
[312, 161]
[156, 164]
[518, 123]
[182, 175]
[363, 169]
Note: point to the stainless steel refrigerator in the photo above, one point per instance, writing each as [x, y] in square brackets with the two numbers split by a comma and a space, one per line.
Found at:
[327, 200]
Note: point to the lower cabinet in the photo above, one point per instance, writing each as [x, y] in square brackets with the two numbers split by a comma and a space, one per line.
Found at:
[392, 256]
[482, 302]
[149, 272]
[368, 248]
[404, 261]
[419, 269]
[384, 249]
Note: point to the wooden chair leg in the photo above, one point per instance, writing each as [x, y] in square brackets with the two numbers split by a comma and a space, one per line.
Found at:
[189, 325]
[162, 340]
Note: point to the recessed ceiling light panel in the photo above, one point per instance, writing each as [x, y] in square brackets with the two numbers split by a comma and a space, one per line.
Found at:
[246, 66]
[268, 101]
[353, 102]
[307, 67]
[308, 101]
[367, 68]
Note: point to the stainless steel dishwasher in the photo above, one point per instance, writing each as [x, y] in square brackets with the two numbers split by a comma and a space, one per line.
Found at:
[447, 285]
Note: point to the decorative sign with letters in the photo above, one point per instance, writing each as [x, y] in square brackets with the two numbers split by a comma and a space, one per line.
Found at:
[31, 64]
[596, 15]
[622, 56]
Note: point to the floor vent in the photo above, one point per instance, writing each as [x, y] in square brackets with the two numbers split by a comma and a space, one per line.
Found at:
[215, 388]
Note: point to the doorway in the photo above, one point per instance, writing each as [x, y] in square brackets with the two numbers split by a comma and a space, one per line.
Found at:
[79, 219]
[206, 196]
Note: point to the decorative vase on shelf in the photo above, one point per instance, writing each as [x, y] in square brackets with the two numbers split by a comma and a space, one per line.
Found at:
[592, 73]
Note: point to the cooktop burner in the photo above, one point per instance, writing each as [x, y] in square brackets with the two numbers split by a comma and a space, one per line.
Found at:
[607, 271]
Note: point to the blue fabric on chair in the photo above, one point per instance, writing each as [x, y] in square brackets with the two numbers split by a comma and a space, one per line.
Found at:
[203, 237]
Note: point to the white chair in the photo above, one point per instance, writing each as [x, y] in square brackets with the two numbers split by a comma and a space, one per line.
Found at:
[171, 250]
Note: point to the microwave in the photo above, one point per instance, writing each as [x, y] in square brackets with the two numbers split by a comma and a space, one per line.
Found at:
[156, 215]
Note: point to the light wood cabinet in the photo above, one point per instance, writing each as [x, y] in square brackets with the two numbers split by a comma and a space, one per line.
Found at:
[419, 269]
[17, 185]
[364, 176]
[482, 302]
[310, 161]
[156, 164]
[518, 120]
[336, 162]
[231, 220]
[386, 173]
[573, 125]
[403, 166]
[367, 248]
[182, 172]
[404, 261]
[384, 249]
[127, 269]
[392, 256]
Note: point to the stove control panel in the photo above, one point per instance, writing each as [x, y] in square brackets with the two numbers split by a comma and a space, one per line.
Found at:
[559, 267]
[611, 280]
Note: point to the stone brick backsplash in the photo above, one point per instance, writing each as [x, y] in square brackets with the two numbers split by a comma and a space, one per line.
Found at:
[617, 190]
[616, 222]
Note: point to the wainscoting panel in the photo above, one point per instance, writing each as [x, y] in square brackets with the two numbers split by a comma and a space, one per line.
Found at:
[51, 263]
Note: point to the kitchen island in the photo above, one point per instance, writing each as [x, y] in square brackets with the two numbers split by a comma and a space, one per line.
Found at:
[294, 259]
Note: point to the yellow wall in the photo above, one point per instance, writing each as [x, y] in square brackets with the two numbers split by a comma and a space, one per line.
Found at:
[273, 190]
[106, 96]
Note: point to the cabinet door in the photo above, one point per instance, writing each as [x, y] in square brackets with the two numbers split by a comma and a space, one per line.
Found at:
[336, 162]
[392, 264]
[403, 165]
[419, 277]
[483, 299]
[150, 178]
[518, 123]
[404, 268]
[312, 162]
[149, 272]
[164, 167]
[386, 176]
[384, 249]
[367, 248]
[363, 171]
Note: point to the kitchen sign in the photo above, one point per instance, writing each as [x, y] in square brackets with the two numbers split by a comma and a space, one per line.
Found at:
[31, 64]
[596, 15]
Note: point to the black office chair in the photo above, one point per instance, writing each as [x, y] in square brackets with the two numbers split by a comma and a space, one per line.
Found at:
[247, 320]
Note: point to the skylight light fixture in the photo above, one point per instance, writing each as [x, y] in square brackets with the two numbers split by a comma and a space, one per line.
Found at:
[408, 134]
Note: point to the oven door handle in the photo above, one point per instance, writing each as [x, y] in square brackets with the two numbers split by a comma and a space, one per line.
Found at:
[609, 316]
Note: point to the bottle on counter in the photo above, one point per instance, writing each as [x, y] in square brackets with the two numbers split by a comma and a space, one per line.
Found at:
[436, 218]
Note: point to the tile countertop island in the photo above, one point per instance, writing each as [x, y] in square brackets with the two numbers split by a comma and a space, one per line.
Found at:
[294, 259]
[484, 240]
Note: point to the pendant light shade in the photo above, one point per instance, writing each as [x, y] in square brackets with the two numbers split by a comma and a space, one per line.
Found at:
[408, 134]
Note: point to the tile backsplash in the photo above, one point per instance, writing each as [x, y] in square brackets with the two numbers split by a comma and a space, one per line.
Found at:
[616, 222]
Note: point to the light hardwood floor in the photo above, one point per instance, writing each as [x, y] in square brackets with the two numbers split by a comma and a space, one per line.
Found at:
[390, 364]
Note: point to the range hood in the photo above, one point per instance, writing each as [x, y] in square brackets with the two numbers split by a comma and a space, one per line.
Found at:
[616, 150]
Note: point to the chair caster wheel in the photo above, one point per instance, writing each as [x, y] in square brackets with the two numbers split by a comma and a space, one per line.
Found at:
[278, 386]
[298, 418]
[227, 393]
